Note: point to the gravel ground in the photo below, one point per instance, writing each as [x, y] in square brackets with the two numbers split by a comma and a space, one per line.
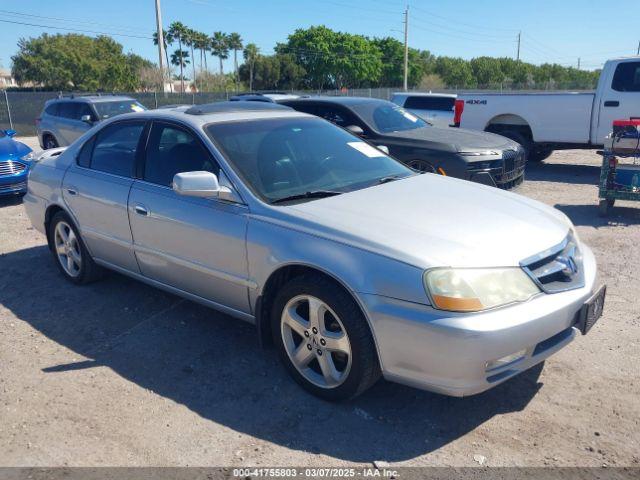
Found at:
[118, 373]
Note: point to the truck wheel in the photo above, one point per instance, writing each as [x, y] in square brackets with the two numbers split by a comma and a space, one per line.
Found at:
[524, 142]
[539, 155]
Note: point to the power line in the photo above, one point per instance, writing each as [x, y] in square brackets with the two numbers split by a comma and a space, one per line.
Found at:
[70, 20]
[74, 29]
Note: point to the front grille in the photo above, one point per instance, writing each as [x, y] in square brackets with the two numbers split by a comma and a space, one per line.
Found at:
[9, 167]
[557, 269]
[513, 168]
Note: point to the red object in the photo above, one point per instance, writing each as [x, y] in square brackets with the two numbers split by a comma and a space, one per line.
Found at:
[458, 108]
[632, 122]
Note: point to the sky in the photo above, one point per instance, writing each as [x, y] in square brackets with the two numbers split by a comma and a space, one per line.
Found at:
[557, 31]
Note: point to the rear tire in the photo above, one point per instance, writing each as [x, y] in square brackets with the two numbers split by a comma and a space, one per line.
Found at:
[69, 252]
[332, 353]
[539, 155]
[50, 142]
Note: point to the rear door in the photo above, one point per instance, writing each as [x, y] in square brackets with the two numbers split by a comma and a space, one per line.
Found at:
[96, 189]
[194, 244]
[620, 98]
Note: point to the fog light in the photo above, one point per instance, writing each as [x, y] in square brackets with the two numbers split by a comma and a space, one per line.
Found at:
[501, 362]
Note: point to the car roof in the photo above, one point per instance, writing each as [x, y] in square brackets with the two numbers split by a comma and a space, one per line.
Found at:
[347, 101]
[94, 99]
[424, 94]
[200, 115]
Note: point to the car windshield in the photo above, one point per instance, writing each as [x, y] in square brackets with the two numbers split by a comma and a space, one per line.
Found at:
[301, 157]
[111, 109]
[387, 117]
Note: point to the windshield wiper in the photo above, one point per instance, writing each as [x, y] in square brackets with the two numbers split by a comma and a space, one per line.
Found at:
[311, 194]
[390, 178]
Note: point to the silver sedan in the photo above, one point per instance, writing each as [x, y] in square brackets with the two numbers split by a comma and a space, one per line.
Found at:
[352, 264]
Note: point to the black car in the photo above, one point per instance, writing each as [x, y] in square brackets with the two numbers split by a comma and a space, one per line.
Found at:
[477, 156]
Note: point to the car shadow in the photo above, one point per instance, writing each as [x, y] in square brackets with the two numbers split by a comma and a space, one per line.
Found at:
[562, 173]
[10, 200]
[212, 364]
[588, 215]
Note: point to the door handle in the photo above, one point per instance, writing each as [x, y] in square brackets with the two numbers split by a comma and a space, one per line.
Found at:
[612, 103]
[72, 191]
[140, 210]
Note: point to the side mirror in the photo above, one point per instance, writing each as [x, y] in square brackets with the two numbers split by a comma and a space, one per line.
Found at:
[384, 149]
[10, 133]
[86, 119]
[201, 184]
[356, 130]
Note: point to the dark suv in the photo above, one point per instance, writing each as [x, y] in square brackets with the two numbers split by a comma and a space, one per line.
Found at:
[66, 118]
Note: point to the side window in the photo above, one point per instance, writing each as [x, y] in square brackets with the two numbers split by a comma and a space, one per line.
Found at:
[627, 77]
[172, 150]
[82, 110]
[84, 157]
[338, 116]
[115, 148]
[418, 102]
[66, 110]
[52, 109]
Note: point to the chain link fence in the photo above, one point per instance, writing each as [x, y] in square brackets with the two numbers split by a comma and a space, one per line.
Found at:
[19, 110]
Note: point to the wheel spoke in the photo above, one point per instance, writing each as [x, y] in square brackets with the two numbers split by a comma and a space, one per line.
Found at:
[295, 321]
[62, 232]
[70, 264]
[303, 355]
[72, 238]
[316, 313]
[329, 371]
[60, 249]
[75, 256]
[337, 342]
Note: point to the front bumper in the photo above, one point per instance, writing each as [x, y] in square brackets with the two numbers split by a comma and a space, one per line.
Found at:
[449, 352]
[13, 184]
[506, 172]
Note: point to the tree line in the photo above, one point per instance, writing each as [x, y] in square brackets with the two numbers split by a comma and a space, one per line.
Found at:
[315, 58]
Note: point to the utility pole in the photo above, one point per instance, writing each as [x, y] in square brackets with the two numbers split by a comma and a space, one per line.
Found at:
[160, 43]
[578, 63]
[406, 48]
[638, 52]
[519, 35]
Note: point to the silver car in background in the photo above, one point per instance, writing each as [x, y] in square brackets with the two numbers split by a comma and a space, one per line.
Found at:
[323, 242]
[64, 119]
[435, 108]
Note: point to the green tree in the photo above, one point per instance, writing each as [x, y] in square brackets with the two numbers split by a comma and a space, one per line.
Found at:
[180, 58]
[166, 50]
[220, 48]
[76, 62]
[250, 54]
[486, 71]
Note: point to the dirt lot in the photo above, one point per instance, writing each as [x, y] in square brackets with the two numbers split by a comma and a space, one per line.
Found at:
[118, 373]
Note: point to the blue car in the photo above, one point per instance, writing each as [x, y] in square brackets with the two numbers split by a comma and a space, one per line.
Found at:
[15, 160]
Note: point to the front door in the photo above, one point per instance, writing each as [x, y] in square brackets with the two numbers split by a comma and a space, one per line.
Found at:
[620, 99]
[194, 244]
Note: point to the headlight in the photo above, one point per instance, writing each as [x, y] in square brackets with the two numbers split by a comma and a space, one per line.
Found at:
[479, 154]
[476, 289]
[29, 157]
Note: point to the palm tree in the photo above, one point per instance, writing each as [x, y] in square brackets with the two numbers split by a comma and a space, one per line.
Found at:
[180, 58]
[166, 41]
[251, 52]
[220, 47]
[202, 44]
[177, 31]
[190, 39]
[235, 44]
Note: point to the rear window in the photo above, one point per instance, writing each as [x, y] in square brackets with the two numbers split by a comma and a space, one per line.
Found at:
[444, 104]
[111, 109]
[627, 77]
[52, 109]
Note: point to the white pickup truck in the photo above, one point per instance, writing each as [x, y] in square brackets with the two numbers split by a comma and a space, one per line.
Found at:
[543, 122]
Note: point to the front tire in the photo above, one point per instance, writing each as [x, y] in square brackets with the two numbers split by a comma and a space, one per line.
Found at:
[323, 338]
[70, 254]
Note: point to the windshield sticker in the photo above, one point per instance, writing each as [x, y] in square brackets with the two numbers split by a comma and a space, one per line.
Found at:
[366, 149]
[136, 108]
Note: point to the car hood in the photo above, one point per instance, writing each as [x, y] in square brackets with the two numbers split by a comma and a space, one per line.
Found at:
[12, 149]
[462, 140]
[429, 220]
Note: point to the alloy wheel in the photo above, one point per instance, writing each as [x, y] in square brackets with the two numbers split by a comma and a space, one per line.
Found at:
[68, 249]
[316, 341]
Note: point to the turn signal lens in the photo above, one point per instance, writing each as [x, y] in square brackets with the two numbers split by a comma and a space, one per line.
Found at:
[477, 289]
